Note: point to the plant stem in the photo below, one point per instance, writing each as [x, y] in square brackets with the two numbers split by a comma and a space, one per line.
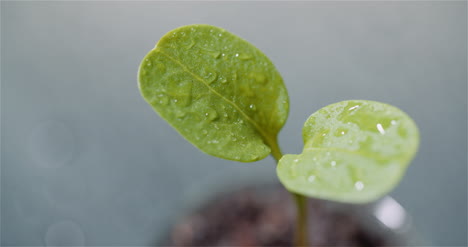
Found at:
[301, 232]
[275, 150]
[301, 236]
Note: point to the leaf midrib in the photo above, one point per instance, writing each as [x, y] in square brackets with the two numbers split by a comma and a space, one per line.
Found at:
[264, 135]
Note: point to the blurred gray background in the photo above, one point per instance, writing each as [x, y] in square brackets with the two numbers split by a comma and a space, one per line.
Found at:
[84, 160]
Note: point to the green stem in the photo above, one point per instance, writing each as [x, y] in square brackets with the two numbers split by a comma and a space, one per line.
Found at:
[300, 234]
[275, 150]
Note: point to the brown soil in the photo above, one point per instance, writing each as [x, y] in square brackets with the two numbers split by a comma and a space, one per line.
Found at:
[253, 217]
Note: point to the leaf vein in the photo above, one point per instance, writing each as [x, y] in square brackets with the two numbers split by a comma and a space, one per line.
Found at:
[266, 138]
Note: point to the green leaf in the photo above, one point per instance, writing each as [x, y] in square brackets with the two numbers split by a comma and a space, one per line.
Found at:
[354, 151]
[217, 90]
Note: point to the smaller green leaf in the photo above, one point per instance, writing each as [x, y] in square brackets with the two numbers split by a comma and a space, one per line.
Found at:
[354, 151]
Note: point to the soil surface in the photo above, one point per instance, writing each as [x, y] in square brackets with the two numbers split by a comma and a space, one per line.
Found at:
[252, 217]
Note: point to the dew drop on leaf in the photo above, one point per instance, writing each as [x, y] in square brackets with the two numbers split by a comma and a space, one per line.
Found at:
[353, 107]
[359, 185]
[260, 78]
[211, 77]
[380, 129]
[244, 56]
[163, 99]
[211, 114]
[181, 114]
[234, 76]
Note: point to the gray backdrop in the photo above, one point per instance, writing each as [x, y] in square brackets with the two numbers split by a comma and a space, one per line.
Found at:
[84, 160]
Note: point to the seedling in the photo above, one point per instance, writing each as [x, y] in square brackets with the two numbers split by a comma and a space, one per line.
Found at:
[226, 97]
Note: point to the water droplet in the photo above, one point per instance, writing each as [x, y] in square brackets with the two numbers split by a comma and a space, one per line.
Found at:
[175, 100]
[311, 178]
[237, 54]
[324, 134]
[211, 114]
[244, 56]
[223, 55]
[215, 141]
[163, 99]
[215, 54]
[259, 78]
[296, 160]
[180, 114]
[211, 30]
[220, 34]
[380, 129]
[197, 138]
[333, 163]
[241, 121]
[211, 77]
[342, 132]
[359, 185]
[192, 29]
[210, 51]
[252, 107]
[225, 115]
[393, 122]
[223, 80]
[314, 159]
[353, 107]
[183, 90]
[234, 76]
[148, 64]
[189, 44]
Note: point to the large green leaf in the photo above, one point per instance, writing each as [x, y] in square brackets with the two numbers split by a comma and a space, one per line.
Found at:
[354, 151]
[217, 90]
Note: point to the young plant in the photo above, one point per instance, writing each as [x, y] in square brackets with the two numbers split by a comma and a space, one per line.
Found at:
[226, 97]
